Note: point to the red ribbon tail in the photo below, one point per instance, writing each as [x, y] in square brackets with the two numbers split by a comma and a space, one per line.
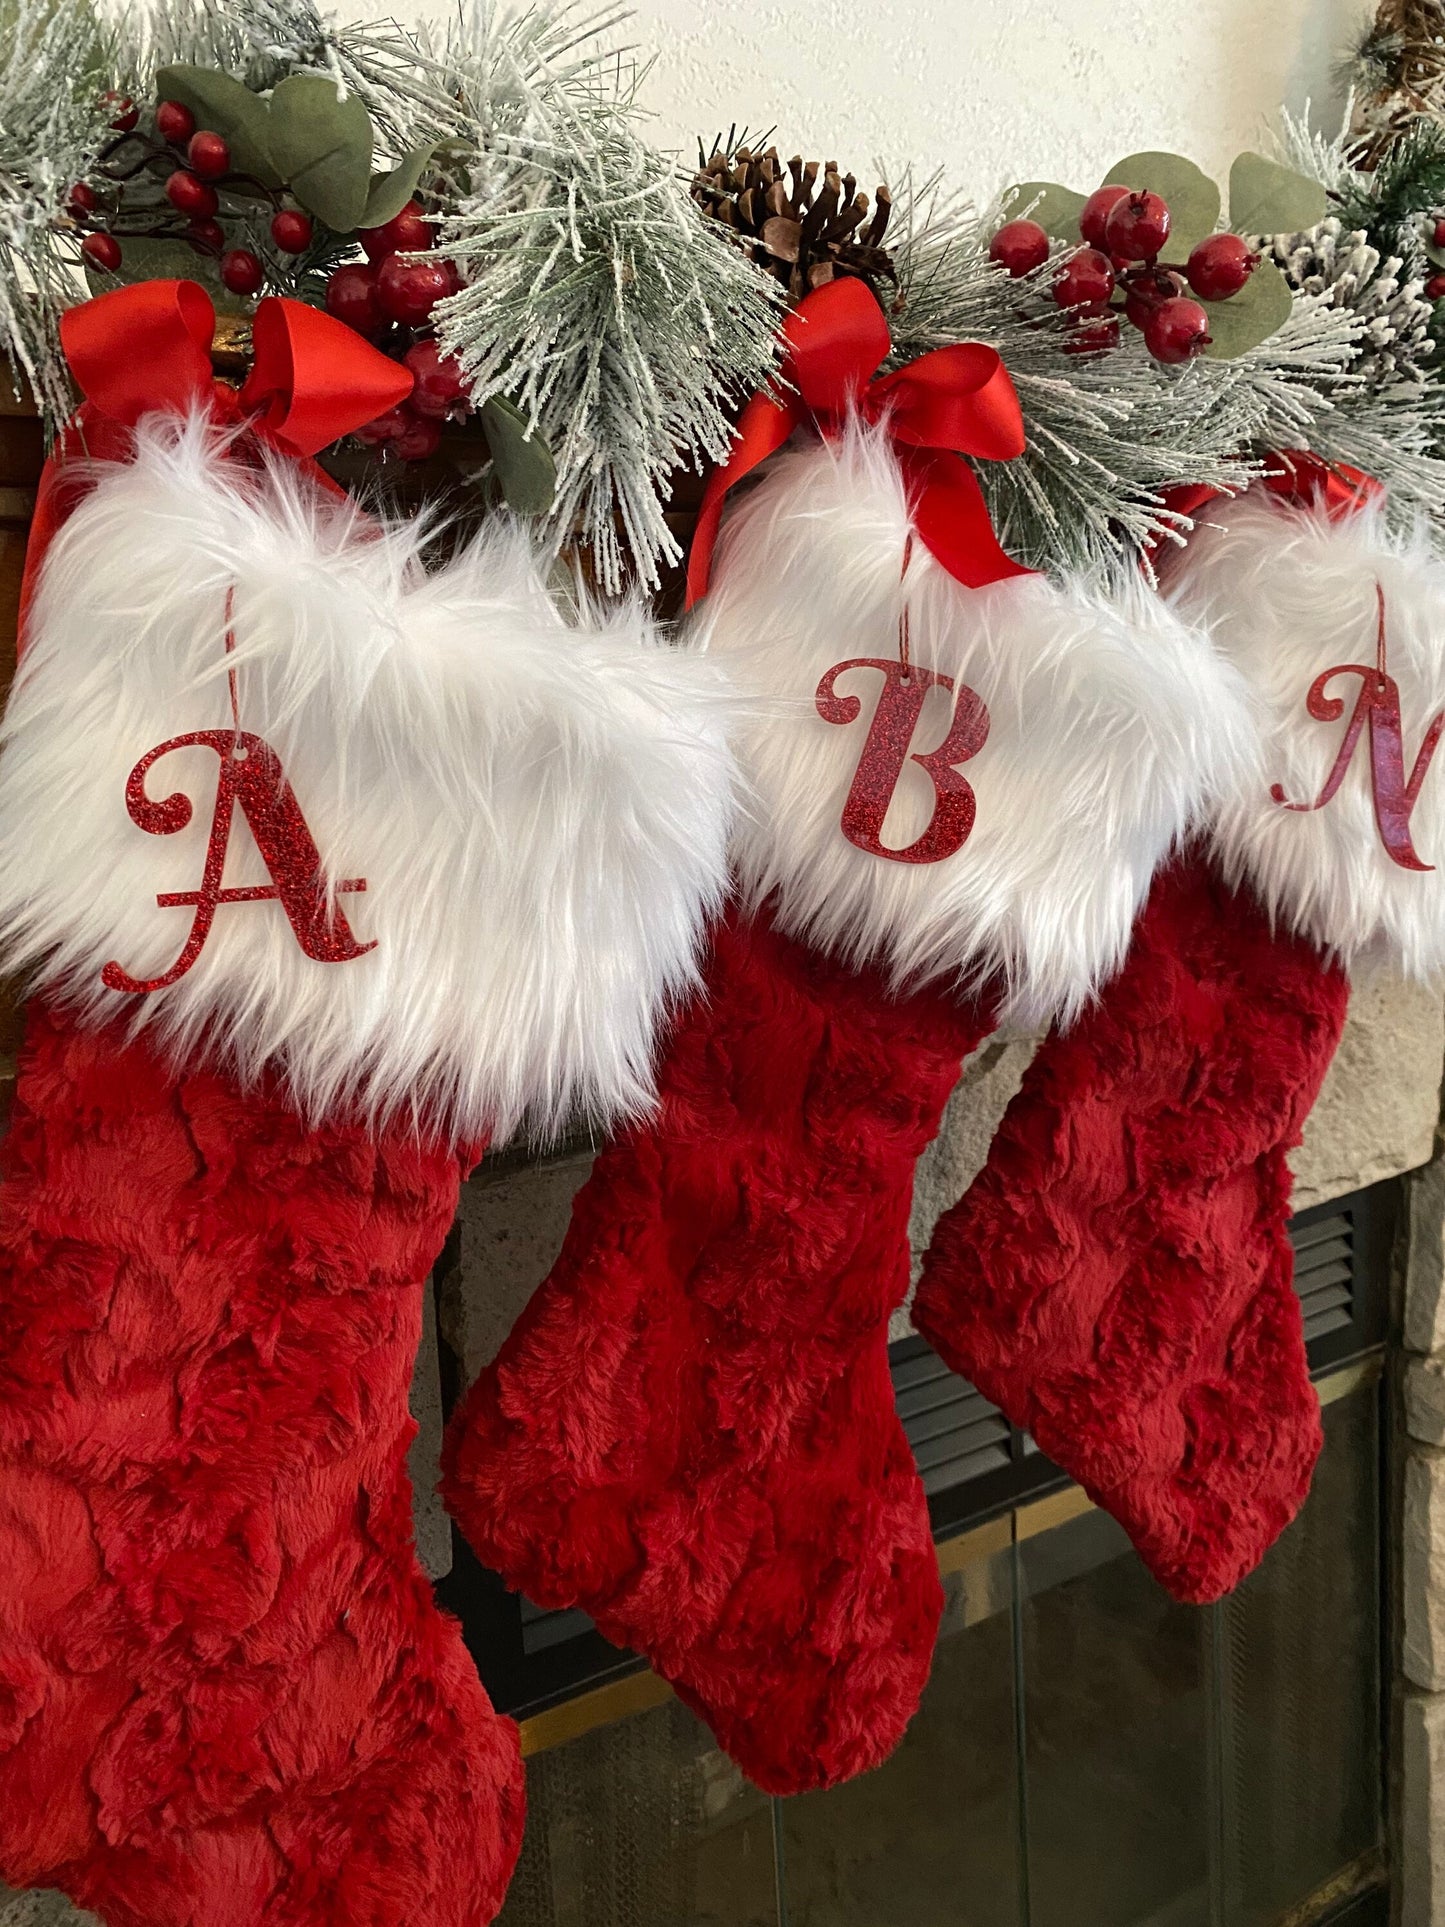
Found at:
[952, 518]
[765, 425]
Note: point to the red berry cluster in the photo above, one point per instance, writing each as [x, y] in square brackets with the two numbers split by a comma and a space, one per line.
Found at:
[385, 298]
[384, 292]
[195, 163]
[1118, 272]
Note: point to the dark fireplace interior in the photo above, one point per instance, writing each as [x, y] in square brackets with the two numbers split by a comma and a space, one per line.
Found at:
[1089, 1753]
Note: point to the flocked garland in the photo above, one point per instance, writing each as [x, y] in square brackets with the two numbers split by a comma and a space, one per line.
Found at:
[548, 272]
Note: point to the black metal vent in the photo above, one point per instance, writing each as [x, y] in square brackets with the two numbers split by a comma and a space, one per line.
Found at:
[1324, 1273]
[955, 1433]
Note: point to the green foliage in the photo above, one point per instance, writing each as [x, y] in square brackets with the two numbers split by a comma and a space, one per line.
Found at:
[228, 109]
[1408, 181]
[1056, 209]
[598, 299]
[1263, 304]
[521, 460]
[55, 58]
[321, 144]
[1265, 197]
[1192, 197]
[389, 193]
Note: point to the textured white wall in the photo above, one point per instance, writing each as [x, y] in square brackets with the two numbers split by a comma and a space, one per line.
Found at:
[992, 90]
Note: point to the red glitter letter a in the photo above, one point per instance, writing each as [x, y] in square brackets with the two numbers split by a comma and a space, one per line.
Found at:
[251, 775]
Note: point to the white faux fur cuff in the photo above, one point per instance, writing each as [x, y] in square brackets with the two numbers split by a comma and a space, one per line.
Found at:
[1288, 595]
[1110, 725]
[539, 813]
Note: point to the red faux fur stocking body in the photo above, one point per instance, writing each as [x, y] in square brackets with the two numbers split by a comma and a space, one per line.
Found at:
[691, 1431]
[226, 1697]
[1119, 1277]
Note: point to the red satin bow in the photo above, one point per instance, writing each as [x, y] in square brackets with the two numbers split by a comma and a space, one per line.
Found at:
[951, 403]
[1305, 479]
[149, 346]
[1300, 477]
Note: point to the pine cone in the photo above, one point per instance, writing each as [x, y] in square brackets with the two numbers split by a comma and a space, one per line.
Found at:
[1327, 260]
[800, 236]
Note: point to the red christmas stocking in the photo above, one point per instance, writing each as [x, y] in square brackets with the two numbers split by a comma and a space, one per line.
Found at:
[225, 1692]
[1119, 1277]
[326, 867]
[691, 1432]
[692, 1429]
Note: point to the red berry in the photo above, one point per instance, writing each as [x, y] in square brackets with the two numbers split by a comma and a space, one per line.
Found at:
[1137, 226]
[351, 297]
[1220, 266]
[440, 385]
[386, 427]
[418, 439]
[82, 199]
[1440, 234]
[191, 196]
[1096, 211]
[1435, 288]
[241, 272]
[409, 290]
[1146, 289]
[174, 123]
[1019, 247]
[1098, 330]
[208, 236]
[101, 251]
[404, 233]
[1177, 330]
[208, 155]
[1086, 279]
[291, 230]
[126, 112]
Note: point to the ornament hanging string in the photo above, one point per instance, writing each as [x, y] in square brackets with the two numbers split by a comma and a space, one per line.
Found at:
[952, 403]
[903, 630]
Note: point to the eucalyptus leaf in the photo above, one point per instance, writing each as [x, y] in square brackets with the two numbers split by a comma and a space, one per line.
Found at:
[322, 144]
[389, 193]
[1251, 316]
[1265, 198]
[522, 463]
[227, 108]
[1435, 254]
[1057, 212]
[1192, 198]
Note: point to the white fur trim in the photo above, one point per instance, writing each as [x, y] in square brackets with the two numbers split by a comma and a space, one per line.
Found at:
[1111, 724]
[1287, 593]
[540, 812]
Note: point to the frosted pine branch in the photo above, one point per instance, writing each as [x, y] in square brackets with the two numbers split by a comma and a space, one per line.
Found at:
[52, 125]
[599, 301]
